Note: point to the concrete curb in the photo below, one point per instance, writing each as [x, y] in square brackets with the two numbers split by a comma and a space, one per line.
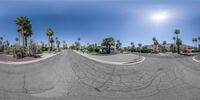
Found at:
[28, 62]
[112, 63]
[193, 58]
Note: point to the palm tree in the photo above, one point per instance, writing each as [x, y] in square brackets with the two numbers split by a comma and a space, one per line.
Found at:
[108, 42]
[57, 42]
[139, 45]
[195, 41]
[163, 48]
[79, 39]
[43, 46]
[51, 41]
[118, 45]
[16, 39]
[24, 27]
[132, 47]
[132, 44]
[174, 45]
[155, 42]
[77, 43]
[64, 45]
[174, 38]
[164, 42]
[199, 42]
[178, 43]
[50, 33]
[1, 44]
[177, 32]
[1, 40]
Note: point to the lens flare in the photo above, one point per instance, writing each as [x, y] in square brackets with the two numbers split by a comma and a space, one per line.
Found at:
[160, 16]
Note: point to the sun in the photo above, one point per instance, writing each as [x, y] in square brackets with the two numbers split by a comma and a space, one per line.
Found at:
[159, 17]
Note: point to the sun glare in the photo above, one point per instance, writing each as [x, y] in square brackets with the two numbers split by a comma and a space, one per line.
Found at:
[160, 16]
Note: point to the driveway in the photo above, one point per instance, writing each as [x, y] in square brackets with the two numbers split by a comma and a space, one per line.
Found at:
[75, 77]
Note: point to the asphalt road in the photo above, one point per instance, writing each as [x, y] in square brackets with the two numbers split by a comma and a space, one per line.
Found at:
[70, 76]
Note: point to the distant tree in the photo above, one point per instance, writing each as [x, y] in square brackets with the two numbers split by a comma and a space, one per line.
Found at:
[57, 43]
[164, 42]
[16, 39]
[73, 47]
[132, 46]
[108, 42]
[199, 42]
[79, 39]
[177, 32]
[43, 46]
[6, 43]
[118, 45]
[195, 40]
[178, 43]
[50, 33]
[172, 48]
[163, 48]
[1, 44]
[78, 44]
[139, 45]
[64, 45]
[51, 41]
[174, 38]
[155, 42]
[1, 39]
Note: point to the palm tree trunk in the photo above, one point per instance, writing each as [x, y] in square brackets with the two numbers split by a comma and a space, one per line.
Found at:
[49, 44]
[109, 47]
[19, 38]
[155, 48]
[178, 48]
[199, 45]
[23, 40]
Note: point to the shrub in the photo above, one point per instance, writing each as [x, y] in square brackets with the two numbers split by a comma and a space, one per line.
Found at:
[32, 49]
[195, 50]
[145, 49]
[121, 50]
[19, 51]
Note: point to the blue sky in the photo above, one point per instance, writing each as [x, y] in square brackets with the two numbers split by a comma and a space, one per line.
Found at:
[93, 20]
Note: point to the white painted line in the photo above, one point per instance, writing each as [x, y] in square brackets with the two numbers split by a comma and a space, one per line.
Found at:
[108, 62]
[28, 62]
[193, 58]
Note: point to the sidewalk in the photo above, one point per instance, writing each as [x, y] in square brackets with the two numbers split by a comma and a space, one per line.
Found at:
[114, 59]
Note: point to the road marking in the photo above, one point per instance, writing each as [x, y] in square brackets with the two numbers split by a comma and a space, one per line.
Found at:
[193, 58]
